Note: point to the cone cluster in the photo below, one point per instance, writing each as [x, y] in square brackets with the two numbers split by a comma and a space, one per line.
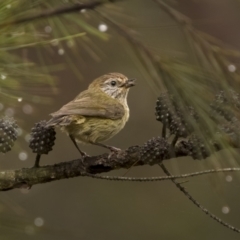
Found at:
[8, 134]
[154, 150]
[42, 138]
[222, 106]
[196, 148]
[176, 118]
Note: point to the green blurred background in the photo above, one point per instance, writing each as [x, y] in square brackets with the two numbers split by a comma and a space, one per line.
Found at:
[84, 208]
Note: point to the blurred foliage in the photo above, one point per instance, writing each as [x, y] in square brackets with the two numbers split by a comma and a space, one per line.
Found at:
[194, 74]
[211, 71]
[19, 75]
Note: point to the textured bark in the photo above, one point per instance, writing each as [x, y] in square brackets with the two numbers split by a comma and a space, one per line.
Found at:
[133, 156]
[27, 177]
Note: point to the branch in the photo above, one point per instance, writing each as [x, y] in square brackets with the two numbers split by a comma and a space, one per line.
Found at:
[27, 177]
[162, 178]
[56, 11]
[195, 202]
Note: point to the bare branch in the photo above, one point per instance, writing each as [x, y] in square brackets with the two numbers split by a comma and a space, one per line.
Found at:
[195, 202]
[162, 178]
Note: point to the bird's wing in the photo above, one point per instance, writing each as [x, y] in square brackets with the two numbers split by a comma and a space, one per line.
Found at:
[94, 106]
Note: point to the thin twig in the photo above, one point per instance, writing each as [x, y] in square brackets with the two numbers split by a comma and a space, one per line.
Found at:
[174, 141]
[38, 157]
[195, 202]
[162, 178]
[164, 130]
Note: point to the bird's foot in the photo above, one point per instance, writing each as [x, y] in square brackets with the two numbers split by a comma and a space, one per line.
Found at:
[113, 150]
[84, 156]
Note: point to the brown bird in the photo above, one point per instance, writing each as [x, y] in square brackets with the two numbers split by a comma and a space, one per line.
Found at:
[96, 114]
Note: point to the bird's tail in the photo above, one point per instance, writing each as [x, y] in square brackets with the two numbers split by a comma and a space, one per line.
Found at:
[51, 123]
[58, 121]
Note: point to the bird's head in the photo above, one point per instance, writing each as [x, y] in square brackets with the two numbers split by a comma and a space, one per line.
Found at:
[116, 85]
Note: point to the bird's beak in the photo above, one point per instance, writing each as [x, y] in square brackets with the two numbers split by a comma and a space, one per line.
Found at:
[130, 83]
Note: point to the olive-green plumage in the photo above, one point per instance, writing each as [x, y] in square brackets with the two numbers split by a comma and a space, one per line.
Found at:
[98, 113]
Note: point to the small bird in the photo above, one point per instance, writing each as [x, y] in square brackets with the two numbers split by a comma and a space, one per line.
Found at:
[96, 114]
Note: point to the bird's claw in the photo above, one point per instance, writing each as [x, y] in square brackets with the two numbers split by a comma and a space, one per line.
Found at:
[113, 150]
[84, 156]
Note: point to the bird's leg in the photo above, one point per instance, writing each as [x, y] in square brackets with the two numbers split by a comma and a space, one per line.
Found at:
[83, 154]
[111, 148]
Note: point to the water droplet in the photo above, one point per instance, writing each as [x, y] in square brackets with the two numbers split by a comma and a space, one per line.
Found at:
[19, 99]
[9, 6]
[27, 137]
[9, 112]
[38, 222]
[19, 131]
[102, 27]
[225, 209]
[27, 109]
[48, 29]
[23, 156]
[229, 178]
[61, 51]
[83, 10]
[232, 68]
[3, 76]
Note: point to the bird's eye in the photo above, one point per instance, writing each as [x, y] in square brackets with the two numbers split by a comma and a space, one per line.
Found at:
[113, 83]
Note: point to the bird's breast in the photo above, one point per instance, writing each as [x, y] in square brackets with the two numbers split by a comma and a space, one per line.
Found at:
[90, 129]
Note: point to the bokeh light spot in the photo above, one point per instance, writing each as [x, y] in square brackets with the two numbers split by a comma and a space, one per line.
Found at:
[48, 29]
[27, 137]
[61, 51]
[229, 178]
[232, 68]
[23, 156]
[19, 131]
[3, 76]
[225, 209]
[27, 109]
[102, 27]
[38, 222]
[9, 112]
